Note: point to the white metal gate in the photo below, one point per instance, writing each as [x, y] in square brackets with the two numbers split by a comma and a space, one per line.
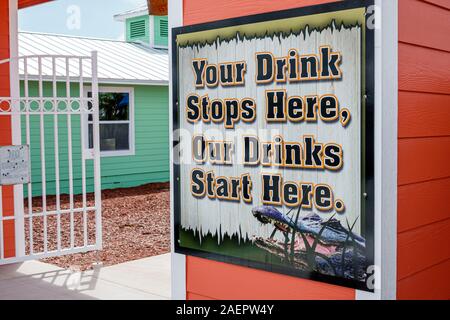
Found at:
[59, 211]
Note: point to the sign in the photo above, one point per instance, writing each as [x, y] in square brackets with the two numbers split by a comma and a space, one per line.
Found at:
[14, 165]
[273, 150]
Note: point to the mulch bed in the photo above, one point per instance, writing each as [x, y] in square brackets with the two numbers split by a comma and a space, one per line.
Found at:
[135, 221]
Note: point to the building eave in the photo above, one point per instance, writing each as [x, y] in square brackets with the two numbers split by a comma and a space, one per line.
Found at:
[124, 16]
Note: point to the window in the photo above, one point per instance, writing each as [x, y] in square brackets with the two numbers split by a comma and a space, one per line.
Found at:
[116, 125]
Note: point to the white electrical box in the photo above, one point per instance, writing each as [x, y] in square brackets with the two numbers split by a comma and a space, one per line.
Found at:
[14, 165]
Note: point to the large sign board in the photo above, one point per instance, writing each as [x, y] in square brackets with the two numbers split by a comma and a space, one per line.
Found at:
[273, 142]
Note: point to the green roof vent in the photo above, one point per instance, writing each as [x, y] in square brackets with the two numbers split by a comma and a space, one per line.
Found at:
[163, 28]
[137, 29]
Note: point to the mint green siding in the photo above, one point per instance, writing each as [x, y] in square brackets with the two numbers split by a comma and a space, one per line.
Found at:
[138, 29]
[149, 164]
[161, 31]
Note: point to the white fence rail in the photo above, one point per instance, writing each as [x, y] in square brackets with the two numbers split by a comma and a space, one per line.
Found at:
[59, 211]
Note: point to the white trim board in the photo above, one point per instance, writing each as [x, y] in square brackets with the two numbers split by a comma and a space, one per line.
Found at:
[151, 30]
[386, 114]
[178, 261]
[15, 121]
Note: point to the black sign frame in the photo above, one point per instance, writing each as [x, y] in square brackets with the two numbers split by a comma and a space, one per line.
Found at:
[367, 131]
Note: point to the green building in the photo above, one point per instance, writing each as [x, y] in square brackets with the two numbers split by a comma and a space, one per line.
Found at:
[133, 78]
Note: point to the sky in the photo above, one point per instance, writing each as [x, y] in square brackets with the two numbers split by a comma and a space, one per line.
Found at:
[87, 18]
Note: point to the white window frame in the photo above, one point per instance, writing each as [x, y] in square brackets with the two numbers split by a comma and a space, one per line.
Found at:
[131, 135]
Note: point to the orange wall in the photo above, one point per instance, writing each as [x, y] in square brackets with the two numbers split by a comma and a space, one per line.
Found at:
[199, 11]
[207, 279]
[424, 149]
[5, 127]
[29, 3]
[214, 280]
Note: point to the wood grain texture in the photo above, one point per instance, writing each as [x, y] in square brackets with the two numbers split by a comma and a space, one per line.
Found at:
[423, 159]
[422, 203]
[423, 69]
[224, 281]
[424, 24]
[423, 115]
[421, 248]
[433, 283]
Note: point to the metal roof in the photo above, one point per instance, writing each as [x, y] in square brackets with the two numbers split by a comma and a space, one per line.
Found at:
[119, 62]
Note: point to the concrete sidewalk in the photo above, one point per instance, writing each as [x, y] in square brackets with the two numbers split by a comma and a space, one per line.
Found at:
[144, 279]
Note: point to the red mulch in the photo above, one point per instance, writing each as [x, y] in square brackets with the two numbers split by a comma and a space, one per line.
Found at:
[136, 224]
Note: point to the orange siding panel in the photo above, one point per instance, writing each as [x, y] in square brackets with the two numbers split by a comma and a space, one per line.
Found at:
[200, 11]
[424, 145]
[225, 281]
[423, 159]
[433, 283]
[423, 248]
[417, 27]
[423, 70]
[423, 115]
[422, 203]
[441, 3]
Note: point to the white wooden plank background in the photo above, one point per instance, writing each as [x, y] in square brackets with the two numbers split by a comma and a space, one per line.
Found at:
[232, 218]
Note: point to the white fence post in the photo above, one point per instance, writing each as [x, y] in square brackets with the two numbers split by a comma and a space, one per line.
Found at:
[96, 142]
